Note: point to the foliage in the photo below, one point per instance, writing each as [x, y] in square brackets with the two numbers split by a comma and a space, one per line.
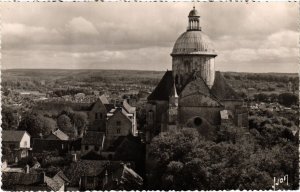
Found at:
[64, 123]
[36, 124]
[183, 160]
[288, 99]
[9, 118]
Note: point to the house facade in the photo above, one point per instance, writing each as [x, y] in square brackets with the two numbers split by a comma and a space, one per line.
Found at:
[17, 143]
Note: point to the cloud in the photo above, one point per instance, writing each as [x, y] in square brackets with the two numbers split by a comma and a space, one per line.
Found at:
[141, 36]
[81, 25]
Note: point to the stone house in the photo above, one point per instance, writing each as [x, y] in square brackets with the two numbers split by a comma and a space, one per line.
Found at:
[118, 124]
[55, 141]
[18, 142]
[92, 141]
[97, 114]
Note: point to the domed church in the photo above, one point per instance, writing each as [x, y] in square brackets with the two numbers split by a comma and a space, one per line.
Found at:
[193, 94]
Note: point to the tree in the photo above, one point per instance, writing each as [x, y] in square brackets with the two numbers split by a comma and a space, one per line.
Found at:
[9, 121]
[80, 121]
[182, 160]
[288, 99]
[64, 124]
[36, 124]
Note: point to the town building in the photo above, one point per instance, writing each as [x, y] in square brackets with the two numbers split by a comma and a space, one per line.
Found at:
[33, 180]
[103, 175]
[193, 94]
[55, 141]
[15, 145]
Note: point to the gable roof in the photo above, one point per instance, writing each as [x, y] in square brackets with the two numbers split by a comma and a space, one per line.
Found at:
[103, 99]
[84, 168]
[58, 134]
[116, 144]
[115, 111]
[128, 107]
[93, 138]
[14, 178]
[222, 90]
[12, 136]
[54, 183]
[196, 85]
[163, 89]
[92, 155]
[108, 106]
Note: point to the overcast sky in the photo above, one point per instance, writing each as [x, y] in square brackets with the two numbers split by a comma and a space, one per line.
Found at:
[254, 37]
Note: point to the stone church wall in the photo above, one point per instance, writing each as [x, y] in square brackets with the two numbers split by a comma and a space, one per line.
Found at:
[184, 66]
[210, 114]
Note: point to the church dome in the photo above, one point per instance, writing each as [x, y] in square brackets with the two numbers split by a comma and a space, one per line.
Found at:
[193, 42]
[194, 13]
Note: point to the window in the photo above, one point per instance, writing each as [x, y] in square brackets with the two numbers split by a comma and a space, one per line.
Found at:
[96, 115]
[86, 147]
[118, 123]
[25, 143]
[118, 130]
[96, 148]
[101, 116]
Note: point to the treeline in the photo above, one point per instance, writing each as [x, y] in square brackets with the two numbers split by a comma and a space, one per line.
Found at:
[262, 77]
[72, 91]
[73, 123]
[285, 99]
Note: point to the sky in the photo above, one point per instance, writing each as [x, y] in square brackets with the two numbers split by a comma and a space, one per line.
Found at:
[248, 37]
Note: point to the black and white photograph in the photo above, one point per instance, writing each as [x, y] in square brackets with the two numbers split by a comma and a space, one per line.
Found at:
[149, 96]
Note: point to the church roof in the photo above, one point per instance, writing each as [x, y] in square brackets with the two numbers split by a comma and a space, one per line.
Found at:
[222, 90]
[194, 13]
[163, 89]
[196, 85]
[193, 42]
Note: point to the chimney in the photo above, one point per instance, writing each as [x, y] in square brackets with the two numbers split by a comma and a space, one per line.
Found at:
[27, 169]
[106, 177]
[74, 157]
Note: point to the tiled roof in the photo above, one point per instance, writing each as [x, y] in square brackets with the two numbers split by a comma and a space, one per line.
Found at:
[196, 85]
[12, 136]
[163, 89]
[54, 183]
[222, 90]
[60, 135]
[62, 176]
[93, 138]
[84, 168]
[92, 155]
[116, 143]
[13, 178]
[120, 110]
[123, 139]
[103, 99]
[127, 107]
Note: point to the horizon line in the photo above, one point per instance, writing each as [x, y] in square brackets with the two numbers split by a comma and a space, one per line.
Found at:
[133, 70]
